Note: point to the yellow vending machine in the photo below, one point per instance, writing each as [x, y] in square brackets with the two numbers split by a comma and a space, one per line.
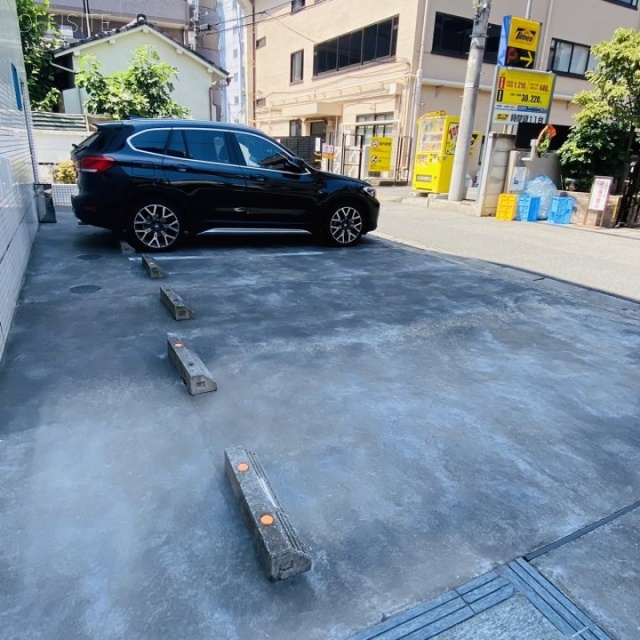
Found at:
[435, 149]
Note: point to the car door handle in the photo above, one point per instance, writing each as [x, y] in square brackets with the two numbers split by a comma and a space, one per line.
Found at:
[176, 167]
[259, 179]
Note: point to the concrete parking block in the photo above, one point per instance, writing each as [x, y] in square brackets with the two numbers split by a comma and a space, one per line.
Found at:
[174, 303]
[280, 550]
[126, 248]
[152, 268]
[190, 367]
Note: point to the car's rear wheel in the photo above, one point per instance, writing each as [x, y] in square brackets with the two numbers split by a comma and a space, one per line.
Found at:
[155, 225]
[345, 225]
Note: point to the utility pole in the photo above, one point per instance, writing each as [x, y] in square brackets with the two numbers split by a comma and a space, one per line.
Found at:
[482, 8]
[417, 92]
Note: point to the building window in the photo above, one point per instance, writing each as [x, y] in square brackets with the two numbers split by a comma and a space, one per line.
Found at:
[66, 31]
[296, 5]
[371, 125]
[632, 4]
[452, 37]
[261, 102]
[297, 66]
[261, 42]
[295, 128]
[571, 59]
[375, 42]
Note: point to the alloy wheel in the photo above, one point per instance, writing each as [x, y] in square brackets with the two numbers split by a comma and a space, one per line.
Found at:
[345, 225]
[156, 226]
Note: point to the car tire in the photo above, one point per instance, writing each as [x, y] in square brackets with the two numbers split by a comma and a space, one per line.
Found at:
[344, 225]
[154, 225]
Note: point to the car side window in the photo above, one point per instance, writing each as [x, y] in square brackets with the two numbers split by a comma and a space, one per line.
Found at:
[177, 147]
[260, 152]
[153, 141]
[206, 145]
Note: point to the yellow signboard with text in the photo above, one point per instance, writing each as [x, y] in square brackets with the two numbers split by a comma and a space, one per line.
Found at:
[518, 42]
[380, 155]
[524, 34]
[522, 96]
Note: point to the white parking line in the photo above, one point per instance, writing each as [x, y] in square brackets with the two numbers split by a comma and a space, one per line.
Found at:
[209, 257]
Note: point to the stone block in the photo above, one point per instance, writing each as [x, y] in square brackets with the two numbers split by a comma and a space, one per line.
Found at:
[152, 268]
[280, 550]
[175, 305]
[191, 369]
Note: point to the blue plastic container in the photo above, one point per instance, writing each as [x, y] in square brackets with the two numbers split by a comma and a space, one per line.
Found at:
[528, 208]
[561, 210]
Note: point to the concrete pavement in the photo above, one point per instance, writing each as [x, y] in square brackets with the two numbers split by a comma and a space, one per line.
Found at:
[426, 420]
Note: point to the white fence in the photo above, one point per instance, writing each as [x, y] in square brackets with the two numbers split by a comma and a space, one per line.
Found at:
[61, 194]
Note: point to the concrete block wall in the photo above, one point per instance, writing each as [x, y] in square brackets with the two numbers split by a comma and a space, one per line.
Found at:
[18, 216]
[581, 215]
[494, 172]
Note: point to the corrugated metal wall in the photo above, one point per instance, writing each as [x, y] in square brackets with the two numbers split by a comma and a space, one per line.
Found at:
[18, 217]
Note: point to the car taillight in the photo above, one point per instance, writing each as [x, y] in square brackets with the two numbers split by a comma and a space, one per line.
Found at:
[95, 164]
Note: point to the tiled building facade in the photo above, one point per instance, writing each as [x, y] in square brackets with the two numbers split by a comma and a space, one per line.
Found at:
[18, 217]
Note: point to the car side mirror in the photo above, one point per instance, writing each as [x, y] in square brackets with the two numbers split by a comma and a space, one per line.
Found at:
[297, 164]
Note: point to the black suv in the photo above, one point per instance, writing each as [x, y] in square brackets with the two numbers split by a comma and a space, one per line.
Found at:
[157, 179]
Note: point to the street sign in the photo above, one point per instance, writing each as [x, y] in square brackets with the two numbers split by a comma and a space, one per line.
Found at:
[600, 190]
[380, 155]
[522, 96]
[518, 42]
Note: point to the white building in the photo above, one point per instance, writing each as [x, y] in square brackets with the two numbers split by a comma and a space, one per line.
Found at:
[18, 217]
[232, 52]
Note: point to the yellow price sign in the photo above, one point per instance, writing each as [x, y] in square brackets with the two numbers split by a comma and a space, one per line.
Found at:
[522, 96]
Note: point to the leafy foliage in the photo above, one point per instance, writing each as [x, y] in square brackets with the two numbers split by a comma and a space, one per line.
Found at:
[143, 90]
[65, 173]
[35, 23]
[600, 142]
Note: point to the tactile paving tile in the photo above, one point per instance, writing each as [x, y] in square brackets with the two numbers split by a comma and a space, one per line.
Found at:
[551, 602]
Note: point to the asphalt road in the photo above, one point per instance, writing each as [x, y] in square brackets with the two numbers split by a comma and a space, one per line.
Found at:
[606, 260]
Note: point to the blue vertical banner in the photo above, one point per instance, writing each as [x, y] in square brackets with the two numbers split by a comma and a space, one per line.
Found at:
[504, 41]
[17, 87]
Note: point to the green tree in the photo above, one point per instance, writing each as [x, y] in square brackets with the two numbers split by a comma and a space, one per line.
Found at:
[36, 27]
[600, 142]
[144, 89]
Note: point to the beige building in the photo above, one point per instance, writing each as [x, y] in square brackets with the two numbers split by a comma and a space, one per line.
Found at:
[195, 79]
[344, 69]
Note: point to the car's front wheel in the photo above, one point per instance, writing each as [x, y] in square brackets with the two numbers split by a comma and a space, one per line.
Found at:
[345, 225]
[155, 225]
